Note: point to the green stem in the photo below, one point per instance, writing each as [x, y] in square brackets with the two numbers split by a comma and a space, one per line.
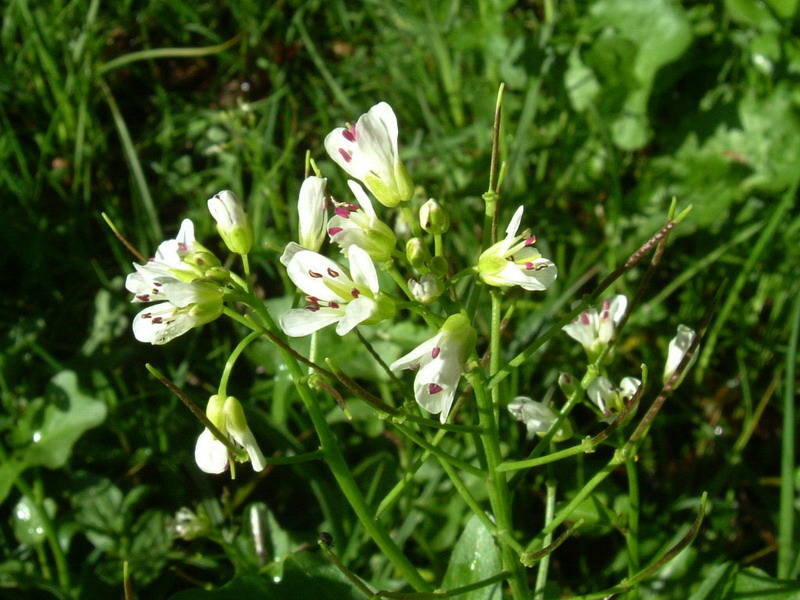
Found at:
[544, 564]
[518, 465]
[632, 532]
[438, 249]
[226, 372]
[786, 546]
[293, 460]
[499, 496]
[440, 454]
[411, 218]
[336, 463]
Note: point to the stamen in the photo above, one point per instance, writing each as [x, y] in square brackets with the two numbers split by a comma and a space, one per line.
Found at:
[605, 315]
[351, 207]
[313, 300]
[147, 315]
[606, 305]
[158, 320]
[340, 211]
[314, 274]
[312, 308]
[530, 241]
[584, 318]
[157, 283]
[350, 133]
[334, 230]
[435, 352]
[333, 305]
[529, 266]
[355, 293]
[345, 155]
[182, 247]
[333, 273]
[143, 297]
[434, 388]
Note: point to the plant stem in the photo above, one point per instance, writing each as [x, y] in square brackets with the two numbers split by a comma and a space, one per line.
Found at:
[338, 466]
[632, 533]
[226, 372]
[544, 564]
[786, 545]
[440, 454]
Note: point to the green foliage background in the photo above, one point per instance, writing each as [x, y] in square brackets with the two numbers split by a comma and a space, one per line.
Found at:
[612, 107]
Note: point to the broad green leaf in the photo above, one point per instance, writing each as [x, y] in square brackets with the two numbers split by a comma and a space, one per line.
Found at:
[306, 576]
[475, 557]
[662, 33]
[99, 509]
[63, 424]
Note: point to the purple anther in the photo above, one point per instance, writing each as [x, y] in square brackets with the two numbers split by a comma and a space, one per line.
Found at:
[584, 318]
[351, 207]
[158, 320]
[333, 305]
[340, 211]
[435, 352]
[530, 241]
[350, 133]
[312, 308]
[314, 274]
[434, 388]
[334, 230]
[529, 266]
[345, 155]
[143, 297]
[313, 300]
[333, 273]
[355, 293]
[182, 247]
[157, 283]
[604, 316]
[147, 315]
[606, 305]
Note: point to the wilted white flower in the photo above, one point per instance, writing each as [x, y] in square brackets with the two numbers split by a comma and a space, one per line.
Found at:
[368, 152]
[334, 294]
[678, 347]
[594, 329]
[514, 261]
[227, 415]
[611, 400]
[538, 418]
[426, 289]
[358, 225]
[439, 363]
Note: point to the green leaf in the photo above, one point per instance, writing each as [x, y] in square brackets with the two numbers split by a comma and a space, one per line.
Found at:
[475, 557]
[306, 576]
[63, 424]
[753, 583]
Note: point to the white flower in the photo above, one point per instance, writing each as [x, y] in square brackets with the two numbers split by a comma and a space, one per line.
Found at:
[678, 347]
[187, 301]
[514, 261]
[334, 295]
[538, 418]
[368, 152]
[311, 213]
[439, 363]
[233, 224]
[426, 289]
[594, 329]
[211, 454]
[609, 399]
[358, 225]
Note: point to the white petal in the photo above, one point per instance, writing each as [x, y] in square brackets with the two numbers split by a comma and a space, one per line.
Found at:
[160, 323]
[247, 440]
[513, 225]
[541, 276]
[300, 322]
[334, 142]
[384, 113]
[363, 269]
[210, 454]
[601, 392]
[357, 311]
[438, 403]
[628, 387]
[580, 332]
[616, 308]
[311, 211]
[419, 355]
[291, 249]
[363, 200]
[300, 270]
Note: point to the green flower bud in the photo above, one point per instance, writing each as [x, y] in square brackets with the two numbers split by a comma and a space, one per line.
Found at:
[233, 224]
[434, 218]
[417, 253]
[568, 384]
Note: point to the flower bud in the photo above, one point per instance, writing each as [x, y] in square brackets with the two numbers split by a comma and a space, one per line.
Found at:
[678, 347]
[233, 224]
[417, 253]
[434, 218]
[426, 289]
[568, 384]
